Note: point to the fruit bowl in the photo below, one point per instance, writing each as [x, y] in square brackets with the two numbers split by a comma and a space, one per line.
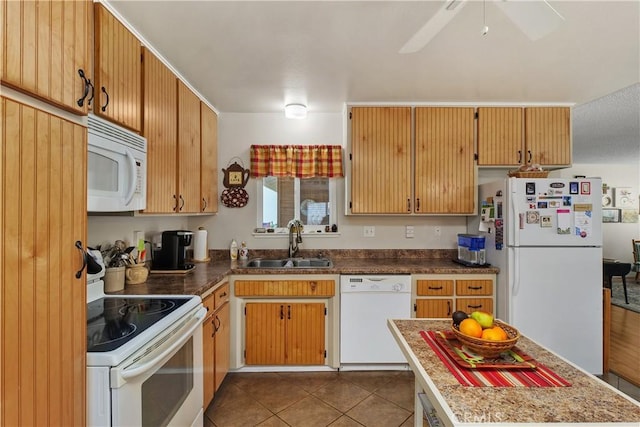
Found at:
[489, 348]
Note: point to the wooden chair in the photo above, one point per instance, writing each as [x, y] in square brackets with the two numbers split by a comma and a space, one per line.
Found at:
[636, 257]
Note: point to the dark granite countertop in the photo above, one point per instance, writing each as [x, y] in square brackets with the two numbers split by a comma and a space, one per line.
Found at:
[206, 275]
[588, 400]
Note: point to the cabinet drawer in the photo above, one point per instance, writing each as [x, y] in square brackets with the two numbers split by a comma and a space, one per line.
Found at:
[221, 295]
[474, 287]
[209, 304]
[442, 308]
[434, 287]
[469, 305]
[302, 288]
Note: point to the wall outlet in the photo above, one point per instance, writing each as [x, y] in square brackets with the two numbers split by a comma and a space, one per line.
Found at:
[369, 231]
[437, 231]
[409, 232]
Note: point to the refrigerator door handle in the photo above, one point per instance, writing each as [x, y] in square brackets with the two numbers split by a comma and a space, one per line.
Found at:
[515, 216]
[516, 272]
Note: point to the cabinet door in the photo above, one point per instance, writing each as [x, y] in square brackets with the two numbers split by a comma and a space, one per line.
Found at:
[44, 208]
[161, 130]
[208, 360]
[381, 160]
[434, 307]
[264, 333]
[445, 176]
[118, 71]
[188, 150]
[209, 159]
[45, 46]
[223, 344]
[305, 334]
[500, 137]
[469, 305]
[547, 135]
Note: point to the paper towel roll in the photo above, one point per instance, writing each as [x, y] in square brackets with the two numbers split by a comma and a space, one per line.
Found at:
[200, 252]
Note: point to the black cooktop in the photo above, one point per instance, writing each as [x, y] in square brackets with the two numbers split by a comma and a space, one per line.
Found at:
[111, 322]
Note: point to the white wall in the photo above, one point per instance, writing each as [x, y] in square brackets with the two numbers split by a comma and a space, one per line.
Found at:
[616, 237]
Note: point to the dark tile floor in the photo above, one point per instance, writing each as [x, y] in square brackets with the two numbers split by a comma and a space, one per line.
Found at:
[336, 399]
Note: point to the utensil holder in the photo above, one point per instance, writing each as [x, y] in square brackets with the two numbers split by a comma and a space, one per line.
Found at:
[114, 279]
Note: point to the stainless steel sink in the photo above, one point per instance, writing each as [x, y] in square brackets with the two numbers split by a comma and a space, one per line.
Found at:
[290, 263]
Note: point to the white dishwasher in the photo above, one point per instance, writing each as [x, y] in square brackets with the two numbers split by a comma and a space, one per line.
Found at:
[366, 302]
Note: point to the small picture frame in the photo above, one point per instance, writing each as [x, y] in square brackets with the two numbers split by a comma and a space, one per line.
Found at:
[530, 188]
[585, 188]
[573, 188]
[610, 215]
[545, 221]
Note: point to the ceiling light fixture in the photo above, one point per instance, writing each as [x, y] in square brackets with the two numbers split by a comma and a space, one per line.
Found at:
[295, 111]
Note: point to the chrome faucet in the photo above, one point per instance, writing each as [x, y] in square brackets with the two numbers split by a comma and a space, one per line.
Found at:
[295, 226]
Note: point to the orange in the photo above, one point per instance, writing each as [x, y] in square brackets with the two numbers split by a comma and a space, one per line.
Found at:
[501, 333]
[470, 327]
[493, 334]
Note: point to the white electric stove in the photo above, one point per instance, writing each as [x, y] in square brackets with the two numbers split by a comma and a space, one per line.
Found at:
[144, 357]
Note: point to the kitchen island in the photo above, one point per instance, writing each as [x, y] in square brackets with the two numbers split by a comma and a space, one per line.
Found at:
[587, 401]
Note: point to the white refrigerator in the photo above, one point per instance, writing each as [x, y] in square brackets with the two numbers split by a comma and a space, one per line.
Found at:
[545, 236]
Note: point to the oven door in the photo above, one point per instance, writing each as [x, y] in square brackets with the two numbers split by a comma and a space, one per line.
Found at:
[162, 384]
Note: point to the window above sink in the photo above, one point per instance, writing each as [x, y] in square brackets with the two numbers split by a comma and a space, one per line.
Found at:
[311, 200]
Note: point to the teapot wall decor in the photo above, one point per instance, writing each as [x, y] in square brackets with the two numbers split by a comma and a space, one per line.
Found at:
[235, 179]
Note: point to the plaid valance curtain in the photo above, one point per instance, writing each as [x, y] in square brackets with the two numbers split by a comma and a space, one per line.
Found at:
[300, 161]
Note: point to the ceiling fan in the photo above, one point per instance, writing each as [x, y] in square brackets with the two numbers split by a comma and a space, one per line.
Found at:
[535, 18]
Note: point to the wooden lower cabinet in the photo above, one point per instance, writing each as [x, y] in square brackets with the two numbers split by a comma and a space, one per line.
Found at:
[439, 295]
[216, 342]
[43, 305]
[284, 333]
[208, 353]
[222, 344]
[434, 307]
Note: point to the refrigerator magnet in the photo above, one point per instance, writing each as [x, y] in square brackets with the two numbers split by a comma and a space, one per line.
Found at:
[533, 217]
[564, 221]
[566, 200]
[530, 188]
[585, 188]
[545, 221]
[573, 188]
[542, 205]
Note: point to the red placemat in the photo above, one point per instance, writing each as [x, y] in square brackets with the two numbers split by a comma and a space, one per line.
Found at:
[539, 377]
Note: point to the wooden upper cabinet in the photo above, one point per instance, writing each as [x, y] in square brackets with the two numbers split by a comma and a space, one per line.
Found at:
[189, 200]
[118, 71]
[381, 160]
[161, 130]
[548, 135]
[209, 159]
[512, 136]
[500, 136]
[43, 172]
[445, 175]
[46, 50]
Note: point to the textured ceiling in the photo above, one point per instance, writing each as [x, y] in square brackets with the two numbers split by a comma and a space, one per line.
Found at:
[256, 56]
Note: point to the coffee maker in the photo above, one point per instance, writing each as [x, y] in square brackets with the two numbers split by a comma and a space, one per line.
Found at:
[172, 255]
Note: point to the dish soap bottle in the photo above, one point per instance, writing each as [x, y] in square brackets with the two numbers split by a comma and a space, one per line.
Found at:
[244, 251]
[233, 250]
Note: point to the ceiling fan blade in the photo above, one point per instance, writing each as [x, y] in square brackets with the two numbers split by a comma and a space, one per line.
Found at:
[433, 26]
[535, 19]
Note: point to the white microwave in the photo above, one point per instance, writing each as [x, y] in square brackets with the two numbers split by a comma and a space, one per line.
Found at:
[116, 168]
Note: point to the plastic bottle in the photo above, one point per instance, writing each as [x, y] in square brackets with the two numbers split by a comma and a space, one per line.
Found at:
[233, 250]
[244, 251]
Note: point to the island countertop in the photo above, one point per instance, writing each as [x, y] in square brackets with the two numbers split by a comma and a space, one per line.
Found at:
[588, 401]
